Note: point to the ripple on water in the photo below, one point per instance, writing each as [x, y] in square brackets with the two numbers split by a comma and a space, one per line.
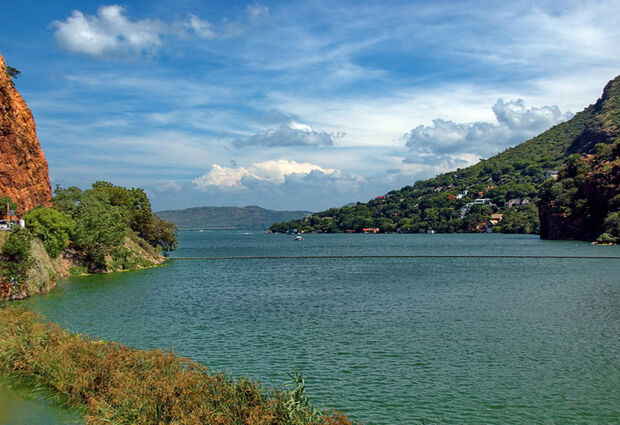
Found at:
[386, 340]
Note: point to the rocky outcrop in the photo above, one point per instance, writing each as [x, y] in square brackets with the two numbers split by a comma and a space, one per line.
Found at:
[23, 168]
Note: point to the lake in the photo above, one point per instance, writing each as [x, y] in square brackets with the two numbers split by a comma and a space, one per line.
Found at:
[458, 340]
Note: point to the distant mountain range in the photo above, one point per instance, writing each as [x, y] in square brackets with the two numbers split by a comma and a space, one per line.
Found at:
[249, 218]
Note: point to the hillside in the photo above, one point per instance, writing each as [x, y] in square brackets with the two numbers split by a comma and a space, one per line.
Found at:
[584, 202]
[497, 194]
[249, 218]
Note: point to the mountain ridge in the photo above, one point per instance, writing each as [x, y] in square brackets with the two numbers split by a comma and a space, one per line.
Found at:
[250, 217]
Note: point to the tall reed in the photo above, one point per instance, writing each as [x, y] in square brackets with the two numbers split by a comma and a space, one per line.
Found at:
[120, 385]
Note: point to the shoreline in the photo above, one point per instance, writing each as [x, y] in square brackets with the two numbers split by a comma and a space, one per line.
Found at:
[116, 383]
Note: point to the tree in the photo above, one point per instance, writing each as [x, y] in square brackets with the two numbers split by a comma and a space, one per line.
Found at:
[15, 259]
[99, 226]
[52, 227]
[13, 72]
[162, 234]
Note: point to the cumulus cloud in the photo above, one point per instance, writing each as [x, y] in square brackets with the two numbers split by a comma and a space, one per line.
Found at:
[110, 33]
[291, 134]
[275, 172]
[446, 141]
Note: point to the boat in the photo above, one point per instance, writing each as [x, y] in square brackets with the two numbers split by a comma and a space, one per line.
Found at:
[299, 238]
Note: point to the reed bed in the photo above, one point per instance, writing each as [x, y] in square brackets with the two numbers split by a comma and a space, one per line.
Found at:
[116, 384]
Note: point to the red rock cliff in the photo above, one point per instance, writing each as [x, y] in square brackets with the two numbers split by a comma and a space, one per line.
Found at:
[23, 168]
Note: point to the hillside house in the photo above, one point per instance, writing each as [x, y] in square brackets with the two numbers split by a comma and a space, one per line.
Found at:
[515, 202]
[371, 230]
[482, 201]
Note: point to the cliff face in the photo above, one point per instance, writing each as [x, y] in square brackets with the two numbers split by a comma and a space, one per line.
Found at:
[23, 168]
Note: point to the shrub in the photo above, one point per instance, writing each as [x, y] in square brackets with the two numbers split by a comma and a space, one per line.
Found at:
[15, 260]
[606, 238]
[52, 227]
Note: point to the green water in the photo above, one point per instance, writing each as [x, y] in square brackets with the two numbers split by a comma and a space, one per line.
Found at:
[21, 405]
[386, 340]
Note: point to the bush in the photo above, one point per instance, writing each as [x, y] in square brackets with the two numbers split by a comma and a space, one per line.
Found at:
[15, 260]
[52, 227]
[606, 238]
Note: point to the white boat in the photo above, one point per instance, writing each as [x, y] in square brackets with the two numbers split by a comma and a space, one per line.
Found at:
[299, 238]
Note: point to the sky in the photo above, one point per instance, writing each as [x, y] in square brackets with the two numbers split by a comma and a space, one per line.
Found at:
[297, 105]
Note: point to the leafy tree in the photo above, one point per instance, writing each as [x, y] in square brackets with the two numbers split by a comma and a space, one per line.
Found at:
[99, 226]
[15, 256]
[52, 227]
[162, 234]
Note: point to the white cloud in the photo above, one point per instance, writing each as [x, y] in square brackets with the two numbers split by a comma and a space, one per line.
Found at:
[275, 172]
[447, 141]
[292, 134]
[110, 32]
[201, 28]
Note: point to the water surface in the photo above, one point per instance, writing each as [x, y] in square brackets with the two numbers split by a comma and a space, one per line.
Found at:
[386, 340]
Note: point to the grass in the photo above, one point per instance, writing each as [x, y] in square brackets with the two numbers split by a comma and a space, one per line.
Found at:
[116, 384]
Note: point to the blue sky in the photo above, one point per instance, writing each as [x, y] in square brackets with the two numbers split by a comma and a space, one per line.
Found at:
[297, 104]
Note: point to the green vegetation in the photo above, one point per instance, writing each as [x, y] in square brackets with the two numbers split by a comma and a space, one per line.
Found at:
[53, 228]
[510, 184]
[120, 385]
[105, 217]
[12, 72]
[15, 261]
[248, 218]
[584, 202]
[104, 228]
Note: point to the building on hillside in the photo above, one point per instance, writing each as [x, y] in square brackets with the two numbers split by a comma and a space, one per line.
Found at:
[370, 230]
[482, 201]
[551, 174]
[515, 202]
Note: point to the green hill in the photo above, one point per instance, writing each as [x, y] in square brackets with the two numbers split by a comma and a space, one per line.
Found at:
[249, 218]
[584, 201]
[499, 194]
